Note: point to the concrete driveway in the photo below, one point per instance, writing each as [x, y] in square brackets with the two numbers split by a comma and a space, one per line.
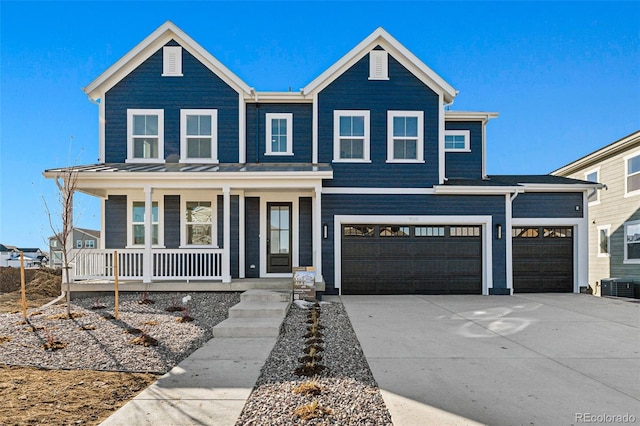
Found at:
[533, 359]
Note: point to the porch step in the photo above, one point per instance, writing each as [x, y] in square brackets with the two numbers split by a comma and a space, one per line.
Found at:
[248, 327]
[246, 309]
[260, 296]
[259, 314]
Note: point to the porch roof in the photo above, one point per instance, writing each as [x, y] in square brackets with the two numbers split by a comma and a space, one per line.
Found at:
[245, 168]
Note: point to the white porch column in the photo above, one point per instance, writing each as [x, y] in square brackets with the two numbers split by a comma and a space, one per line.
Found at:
[241, 233]
[317, 232]
[226, 239]
[147, 261]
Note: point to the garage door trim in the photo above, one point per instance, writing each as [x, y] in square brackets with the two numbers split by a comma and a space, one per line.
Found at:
[484, 221]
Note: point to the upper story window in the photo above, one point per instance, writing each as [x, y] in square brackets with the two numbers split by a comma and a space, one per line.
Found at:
[90, 244]
[632, 242]
[79, 244]
[594, 195]
[405, 136]
[351, 136]
[457, 141]
[198, 135]
[172, 61]
[279, 134]
[632, 174]
[378, 65]
[145, 135]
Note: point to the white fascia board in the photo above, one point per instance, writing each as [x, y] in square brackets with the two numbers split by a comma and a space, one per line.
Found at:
[550, 187]
[283, 97]
[469, 116]
[475, 190]
[148, 47]
[397, 50]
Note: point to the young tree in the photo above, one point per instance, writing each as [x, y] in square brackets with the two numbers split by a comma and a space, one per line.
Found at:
[67, 182]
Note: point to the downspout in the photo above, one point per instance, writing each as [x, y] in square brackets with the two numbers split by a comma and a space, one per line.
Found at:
[257, 131]
[508, 239]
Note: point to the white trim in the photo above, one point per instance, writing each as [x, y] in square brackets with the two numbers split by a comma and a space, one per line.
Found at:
[276, 197]
[599, 241]
[441, 154]
[382, 38]
[102, 128]
[419, 139]
[378, 65]
[268, 132]
[213, 113]
[467, 140]
[475, 190]
[358, 190]
[469, 116]
[103, 223]
[314, 130]
[149, 46]
[317, 232]
[241, 235]
[506, 235]
[242, 133]
[366, 148]
[626, 254]
[484, 148]
[485, 221]
[172, 61]
[226, 234]
[139, 197]
[198, 196]
[626, 159]
[597, 192]
[130, 135]
[580, 243]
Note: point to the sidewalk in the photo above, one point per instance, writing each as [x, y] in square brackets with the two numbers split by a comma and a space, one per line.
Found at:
[210, 387]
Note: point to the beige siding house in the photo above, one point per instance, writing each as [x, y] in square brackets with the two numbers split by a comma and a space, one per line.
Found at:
[614, 211]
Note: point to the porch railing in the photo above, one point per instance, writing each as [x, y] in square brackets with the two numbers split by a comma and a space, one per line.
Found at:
[167, 264]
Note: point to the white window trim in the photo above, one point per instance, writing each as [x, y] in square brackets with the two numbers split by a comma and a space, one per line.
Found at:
[90, 244]
[381, 56]
[336, 136]
[198, 196]
[587, 173]
[167, 51]
[626, 177]
[213, 113]
[390, 138]
[467, 140]
[286, 116]
[608, 229]
[78, 244]
[130, 150]
[626, 254]
[130, 201]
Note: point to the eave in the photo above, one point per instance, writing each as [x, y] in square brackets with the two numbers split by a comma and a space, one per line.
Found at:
[469, 116]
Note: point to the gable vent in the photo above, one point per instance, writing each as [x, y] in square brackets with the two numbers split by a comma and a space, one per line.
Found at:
[378, 65]
[171, 61]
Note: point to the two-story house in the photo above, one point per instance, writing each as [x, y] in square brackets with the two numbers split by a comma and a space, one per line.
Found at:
[614, 213]
[79, 239]
[363, 174]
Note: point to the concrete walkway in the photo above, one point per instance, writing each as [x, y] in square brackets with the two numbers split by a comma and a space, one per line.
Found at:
[210, 387]
[502, 360]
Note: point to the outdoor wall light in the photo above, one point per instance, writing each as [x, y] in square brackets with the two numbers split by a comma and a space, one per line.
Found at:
[325, 231]
[499, 231]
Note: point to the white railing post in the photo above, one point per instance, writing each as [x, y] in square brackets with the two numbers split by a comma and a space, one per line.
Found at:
[147, 260]
[226, 231]
[317, 233]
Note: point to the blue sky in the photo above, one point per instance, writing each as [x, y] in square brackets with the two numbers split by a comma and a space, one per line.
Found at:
[564, 76]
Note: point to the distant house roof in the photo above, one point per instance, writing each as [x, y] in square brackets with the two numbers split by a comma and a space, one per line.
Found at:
[91, 232]
[29, 250]
[4, 248]
[621, 145]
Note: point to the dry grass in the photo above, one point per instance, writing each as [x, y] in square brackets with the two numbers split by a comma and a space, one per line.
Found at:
[310, 387]
[311, 411]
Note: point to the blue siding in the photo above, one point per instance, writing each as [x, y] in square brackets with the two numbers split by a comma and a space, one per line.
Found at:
[172, 221]
[465, 165]
[302, 121]
[305, 230]
[145, 88]
[115, 222]
[436, 205]
[403, 91]
[548, 205]
[252, 237]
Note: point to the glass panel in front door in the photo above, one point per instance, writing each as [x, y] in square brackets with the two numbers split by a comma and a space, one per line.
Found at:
[280, 232]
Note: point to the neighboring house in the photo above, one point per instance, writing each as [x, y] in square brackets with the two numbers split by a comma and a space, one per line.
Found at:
[614, 212]
[363, 174]
[33, 257]
[6, 253]
[80, 239]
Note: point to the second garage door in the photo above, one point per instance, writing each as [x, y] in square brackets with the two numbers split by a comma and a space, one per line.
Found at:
[411, 259]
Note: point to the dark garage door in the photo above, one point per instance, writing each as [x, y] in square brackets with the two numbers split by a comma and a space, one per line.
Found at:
[542, 259]
[411, 259]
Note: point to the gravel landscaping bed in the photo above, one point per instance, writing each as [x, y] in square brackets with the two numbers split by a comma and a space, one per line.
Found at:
[91, 341]
[348, 393]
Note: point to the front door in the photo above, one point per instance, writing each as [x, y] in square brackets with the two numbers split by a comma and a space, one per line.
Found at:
[279, 237]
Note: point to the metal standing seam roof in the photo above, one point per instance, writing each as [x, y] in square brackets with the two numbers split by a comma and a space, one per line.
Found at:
[196, 168]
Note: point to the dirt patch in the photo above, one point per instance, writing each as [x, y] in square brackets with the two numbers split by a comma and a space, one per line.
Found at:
[41, 286]
[56, 397]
